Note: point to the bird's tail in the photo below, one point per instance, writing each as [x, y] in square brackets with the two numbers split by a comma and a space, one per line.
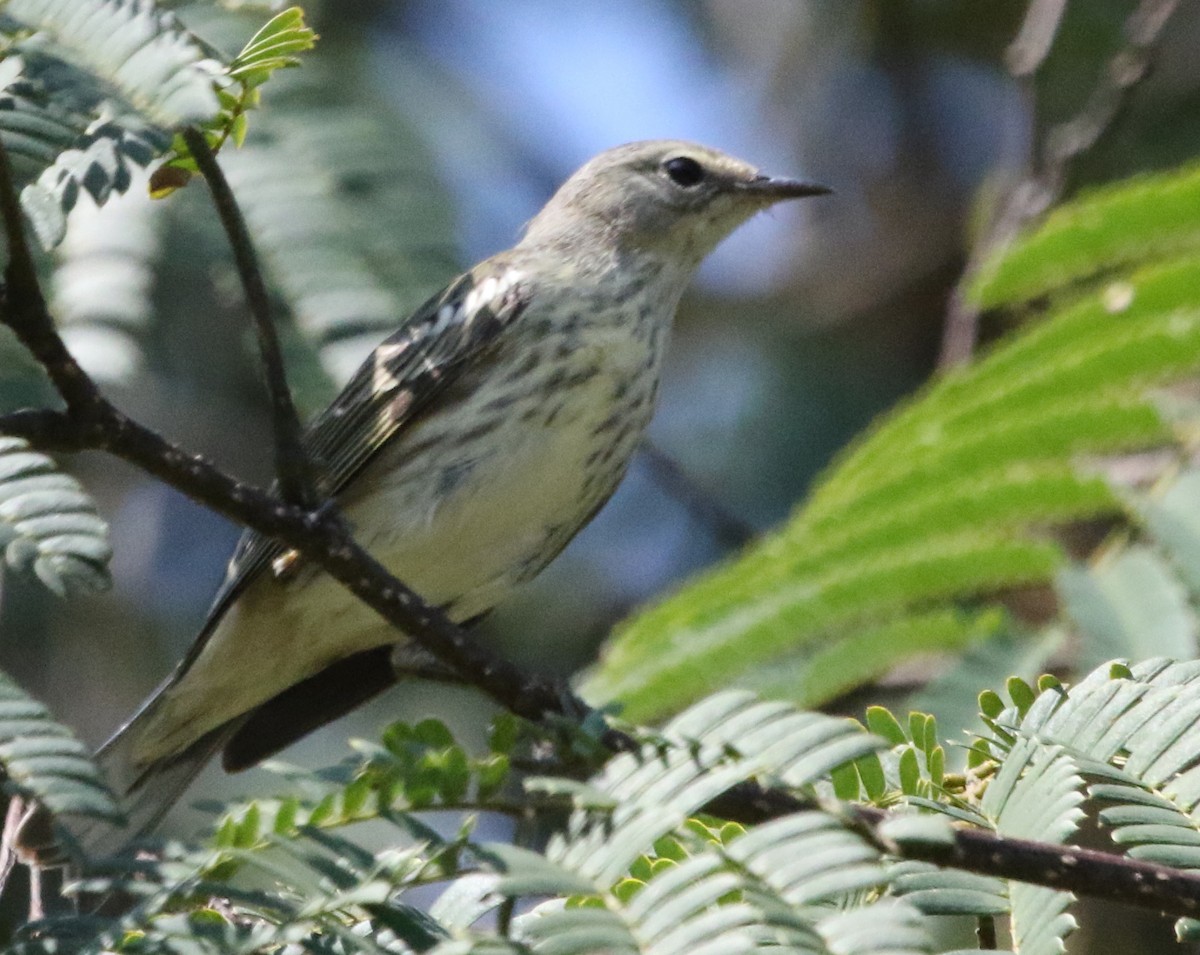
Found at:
[146, 793]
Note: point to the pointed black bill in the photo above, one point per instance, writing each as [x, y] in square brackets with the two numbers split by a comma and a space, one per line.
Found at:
[776, 190]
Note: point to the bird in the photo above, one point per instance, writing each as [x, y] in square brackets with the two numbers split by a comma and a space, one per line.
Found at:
[466, 451]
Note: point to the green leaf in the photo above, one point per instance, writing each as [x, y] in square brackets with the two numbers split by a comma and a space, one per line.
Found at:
[881, 722]
[44, 762]
[910, 772]
[1021, 693]
[874, 782]
[273, 47]
[144, 52]
[1144, 219]
[990, 703]
[48, 524]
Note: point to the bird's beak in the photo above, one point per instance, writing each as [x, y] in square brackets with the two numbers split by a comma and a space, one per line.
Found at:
[776, 190]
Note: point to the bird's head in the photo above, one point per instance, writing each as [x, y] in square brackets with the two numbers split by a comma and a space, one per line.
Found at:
[667, 197]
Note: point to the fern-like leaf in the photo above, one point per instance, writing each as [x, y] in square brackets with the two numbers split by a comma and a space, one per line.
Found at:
[102, 286]
[781, 884]
[1132, 731]
[100, 87]
[48, 523]
[1037, 794]
[44, 762]
[102, 83]
[156, 65]
[272, 48]
[1152, 217]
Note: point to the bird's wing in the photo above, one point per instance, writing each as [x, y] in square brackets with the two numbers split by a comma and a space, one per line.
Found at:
[399, 380]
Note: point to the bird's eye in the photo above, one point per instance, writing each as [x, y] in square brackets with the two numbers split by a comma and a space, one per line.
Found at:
[684, 171]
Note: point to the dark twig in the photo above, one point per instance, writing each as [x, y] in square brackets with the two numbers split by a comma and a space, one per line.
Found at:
[985, 931]
[1085, 871]
[1063, 145]
[292, 466]
[25, 306]
[729, 529]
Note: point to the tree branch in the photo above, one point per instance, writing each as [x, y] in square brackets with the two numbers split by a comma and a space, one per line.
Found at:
[292, 466]
[1064, 144]
[25, 309]
[1070, 868]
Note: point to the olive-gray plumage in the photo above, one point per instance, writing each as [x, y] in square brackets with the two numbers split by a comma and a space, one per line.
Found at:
[467, 451]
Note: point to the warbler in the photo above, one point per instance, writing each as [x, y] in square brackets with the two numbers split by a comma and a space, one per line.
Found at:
[465, 453]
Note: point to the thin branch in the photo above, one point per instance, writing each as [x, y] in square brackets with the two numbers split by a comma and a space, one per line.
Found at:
[1035, 38]
[1064, 144]
[1084, 871]
[1071, 868]
[25, 306]
[292, 466]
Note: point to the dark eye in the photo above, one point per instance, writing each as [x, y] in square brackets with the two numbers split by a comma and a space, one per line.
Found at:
[684, 171]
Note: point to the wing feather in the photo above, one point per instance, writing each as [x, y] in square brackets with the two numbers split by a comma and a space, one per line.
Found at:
[401, 378]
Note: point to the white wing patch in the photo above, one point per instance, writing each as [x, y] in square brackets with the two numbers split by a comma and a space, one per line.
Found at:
[382, 377]
[488, 294]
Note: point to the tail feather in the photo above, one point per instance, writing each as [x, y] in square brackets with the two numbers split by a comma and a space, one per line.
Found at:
[146, 793]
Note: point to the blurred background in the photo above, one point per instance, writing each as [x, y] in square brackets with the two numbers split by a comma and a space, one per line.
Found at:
[445, 125]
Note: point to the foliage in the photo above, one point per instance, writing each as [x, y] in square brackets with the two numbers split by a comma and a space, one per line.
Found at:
[103, 281]
[95, 89]
[272, 48]
[91, 90]
[805, 880]
[916, 537]
[911, 544]
[44, 761]
[354, 236]
[631, 864]
[48, 524]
